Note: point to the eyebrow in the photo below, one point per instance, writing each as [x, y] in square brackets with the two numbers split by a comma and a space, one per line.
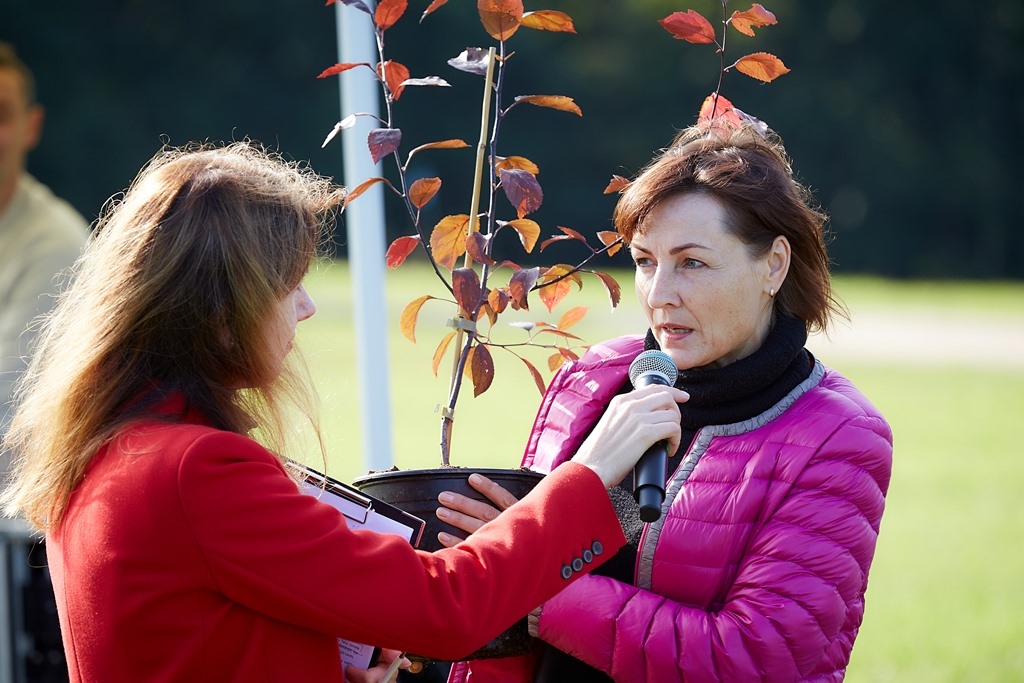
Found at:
[674, 250]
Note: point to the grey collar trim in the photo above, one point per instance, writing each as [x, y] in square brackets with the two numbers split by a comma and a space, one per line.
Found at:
[645, 557]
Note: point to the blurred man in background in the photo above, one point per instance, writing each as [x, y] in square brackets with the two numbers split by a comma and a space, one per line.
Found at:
[41, 235]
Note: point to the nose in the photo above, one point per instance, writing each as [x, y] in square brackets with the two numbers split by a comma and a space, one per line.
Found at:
[658, 289]
[305, 307]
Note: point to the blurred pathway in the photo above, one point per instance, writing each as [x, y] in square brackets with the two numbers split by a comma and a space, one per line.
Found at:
[926, 337]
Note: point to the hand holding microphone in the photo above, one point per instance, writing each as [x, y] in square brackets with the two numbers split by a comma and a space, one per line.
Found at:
[631, 424]
[651, 368]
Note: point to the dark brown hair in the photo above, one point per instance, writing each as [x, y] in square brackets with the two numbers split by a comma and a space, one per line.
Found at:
[749, 173]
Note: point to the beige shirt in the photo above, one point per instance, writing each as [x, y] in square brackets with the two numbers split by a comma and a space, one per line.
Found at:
[41, 236]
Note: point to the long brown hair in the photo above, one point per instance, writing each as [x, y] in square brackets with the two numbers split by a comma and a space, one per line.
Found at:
[172, 294]
[749, 173]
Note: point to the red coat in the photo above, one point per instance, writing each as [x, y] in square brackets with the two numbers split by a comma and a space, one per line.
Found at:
[188, 554]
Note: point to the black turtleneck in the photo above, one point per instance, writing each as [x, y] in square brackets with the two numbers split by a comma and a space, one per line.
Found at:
[734, 393]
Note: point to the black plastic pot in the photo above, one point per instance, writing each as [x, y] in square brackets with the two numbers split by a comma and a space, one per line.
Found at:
[416, 491]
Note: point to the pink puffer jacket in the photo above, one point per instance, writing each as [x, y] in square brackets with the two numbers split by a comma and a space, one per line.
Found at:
[757, 568]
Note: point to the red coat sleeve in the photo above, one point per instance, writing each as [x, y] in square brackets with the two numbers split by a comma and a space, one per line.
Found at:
[286, 555]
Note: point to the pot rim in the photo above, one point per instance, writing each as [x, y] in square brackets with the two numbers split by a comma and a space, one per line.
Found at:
[451, 472]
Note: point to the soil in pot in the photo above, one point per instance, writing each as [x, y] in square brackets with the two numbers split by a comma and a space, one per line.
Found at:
[416, 491]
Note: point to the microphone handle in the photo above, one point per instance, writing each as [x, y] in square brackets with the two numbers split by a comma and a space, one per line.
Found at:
[649, 482]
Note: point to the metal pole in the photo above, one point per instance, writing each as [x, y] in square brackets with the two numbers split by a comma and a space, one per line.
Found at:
[364, 220]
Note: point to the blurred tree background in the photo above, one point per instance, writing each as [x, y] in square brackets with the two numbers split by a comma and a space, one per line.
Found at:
[904, 118]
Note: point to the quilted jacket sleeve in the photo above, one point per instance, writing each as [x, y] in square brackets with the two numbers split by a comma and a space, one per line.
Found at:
[797, 598]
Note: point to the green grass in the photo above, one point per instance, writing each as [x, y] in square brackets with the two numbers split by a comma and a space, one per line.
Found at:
[944, 597]
[945, 601]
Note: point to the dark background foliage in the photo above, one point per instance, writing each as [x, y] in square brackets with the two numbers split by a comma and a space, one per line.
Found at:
[904, 118]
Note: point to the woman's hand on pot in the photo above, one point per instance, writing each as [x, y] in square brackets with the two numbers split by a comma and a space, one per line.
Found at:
[463, 512]
[631, 424]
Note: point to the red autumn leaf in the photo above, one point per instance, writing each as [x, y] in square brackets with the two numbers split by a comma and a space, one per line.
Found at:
[548, 20]
[338, 68]
[617, 184]
[561, 272]
[572, 234]
[568, 354]
[407, 323]
[480, 368]
[560, 102]
[571, 317]
[393, 74]
[522, 190]
[520, 284]
[442, 144]
[561, 278]
[498, 299]
[529, 232]
[521, 163]
[448, 240]
[557, 360]
[762, 66]
[466, 284]
[509, 264]
[486, 310]
[612, 285]
[719, 113]
[755, 17]
[400, 250]
[361, 188]
[537, 379]
[690, 26]
[423, 190]
[568, 234]
[501, 18]
[716, 106]
[431, 8]
[476, 247]
[610, 239]
[382, 142]
[453, 143]
[388, 12]
[439, 351]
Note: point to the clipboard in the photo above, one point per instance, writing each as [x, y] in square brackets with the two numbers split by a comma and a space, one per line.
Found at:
[361, 512]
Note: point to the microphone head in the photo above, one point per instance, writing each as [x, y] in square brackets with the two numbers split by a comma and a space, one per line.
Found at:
[653, 367]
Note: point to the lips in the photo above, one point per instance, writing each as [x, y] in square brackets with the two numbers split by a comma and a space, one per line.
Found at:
[674, 329]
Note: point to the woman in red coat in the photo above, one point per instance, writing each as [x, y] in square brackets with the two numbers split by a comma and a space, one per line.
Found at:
[150, 442]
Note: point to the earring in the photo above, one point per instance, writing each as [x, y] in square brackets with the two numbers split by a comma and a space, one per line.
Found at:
[771, 293]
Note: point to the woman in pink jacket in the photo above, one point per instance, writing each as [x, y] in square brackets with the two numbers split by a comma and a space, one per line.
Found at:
[757, 567]
[150, 442]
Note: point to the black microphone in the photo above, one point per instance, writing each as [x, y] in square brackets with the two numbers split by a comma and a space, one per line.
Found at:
[651, 367]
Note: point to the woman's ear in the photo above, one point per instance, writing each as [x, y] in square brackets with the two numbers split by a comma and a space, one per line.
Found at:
[778, 260]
